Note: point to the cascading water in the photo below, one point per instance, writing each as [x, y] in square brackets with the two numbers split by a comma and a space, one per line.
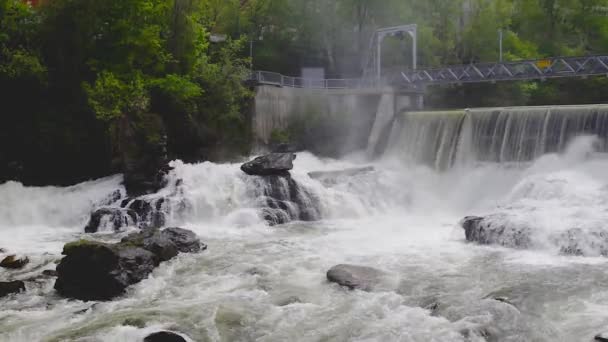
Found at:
[541, 170]
[498, 135]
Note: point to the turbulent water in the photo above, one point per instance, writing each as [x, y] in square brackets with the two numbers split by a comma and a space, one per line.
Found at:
[261, 283]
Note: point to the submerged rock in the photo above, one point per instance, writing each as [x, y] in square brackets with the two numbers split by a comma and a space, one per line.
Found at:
[14, 262]
[10, 287]
[99, 271]
[110, 219]
[164, 336]
[355, 277]
[489, 319]
[273, 164]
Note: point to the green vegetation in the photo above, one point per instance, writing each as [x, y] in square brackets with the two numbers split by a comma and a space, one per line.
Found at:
[93, 87]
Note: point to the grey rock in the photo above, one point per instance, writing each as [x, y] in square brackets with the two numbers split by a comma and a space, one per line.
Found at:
[486, 231]
[355, 277]
[273, 164]
[98, 271]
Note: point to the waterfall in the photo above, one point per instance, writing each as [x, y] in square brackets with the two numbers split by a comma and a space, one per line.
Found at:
[499, 135]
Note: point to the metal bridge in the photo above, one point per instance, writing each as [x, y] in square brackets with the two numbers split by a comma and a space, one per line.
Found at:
[526, 70]
[539, 69]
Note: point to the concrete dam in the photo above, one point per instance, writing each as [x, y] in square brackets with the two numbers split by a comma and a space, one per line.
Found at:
[341, 121]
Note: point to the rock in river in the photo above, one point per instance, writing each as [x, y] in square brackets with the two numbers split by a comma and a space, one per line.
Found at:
[14, 262]
[355, 277]
[603, 337]
[493, 230]
[100, 271]
[164, 336]
[111, 219]
[9, 287]
[273, 164]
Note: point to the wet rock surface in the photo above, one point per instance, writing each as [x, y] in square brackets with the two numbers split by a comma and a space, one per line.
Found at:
[164, 336]
[284, 200]
[273, 164]
[355, 277]
[110, 219]
[499, 230]
[142, 213]
[166, 244]
[14, 262]
[485, 231]
[11, 287]
[99, 271]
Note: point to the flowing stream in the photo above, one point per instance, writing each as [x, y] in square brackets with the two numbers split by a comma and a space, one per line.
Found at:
[544, 167]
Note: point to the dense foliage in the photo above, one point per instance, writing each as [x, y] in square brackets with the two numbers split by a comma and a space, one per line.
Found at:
[90, 86]
[335, 34]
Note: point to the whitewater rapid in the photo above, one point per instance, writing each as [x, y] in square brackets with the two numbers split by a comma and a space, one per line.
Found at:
[261, 283]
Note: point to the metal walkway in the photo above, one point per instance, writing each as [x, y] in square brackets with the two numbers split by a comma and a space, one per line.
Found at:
[538, 69]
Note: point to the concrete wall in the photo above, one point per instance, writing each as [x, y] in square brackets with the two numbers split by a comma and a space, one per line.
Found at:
[342, 118]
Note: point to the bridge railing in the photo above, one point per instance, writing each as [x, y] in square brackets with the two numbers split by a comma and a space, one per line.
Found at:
[273, 78]
[553, 67]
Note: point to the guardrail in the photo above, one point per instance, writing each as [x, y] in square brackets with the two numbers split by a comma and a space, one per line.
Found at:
[273, 78]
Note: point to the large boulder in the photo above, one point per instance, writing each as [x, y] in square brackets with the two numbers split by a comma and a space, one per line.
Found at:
[10, 287]
[273, 164]
[166, 244]
[355, 277]
[99, 271]
[111, 219]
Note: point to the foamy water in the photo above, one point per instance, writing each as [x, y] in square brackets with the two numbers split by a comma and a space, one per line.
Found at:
[260, 283]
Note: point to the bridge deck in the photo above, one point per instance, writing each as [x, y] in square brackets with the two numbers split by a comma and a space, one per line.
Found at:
[554, 67]
[537, 69]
